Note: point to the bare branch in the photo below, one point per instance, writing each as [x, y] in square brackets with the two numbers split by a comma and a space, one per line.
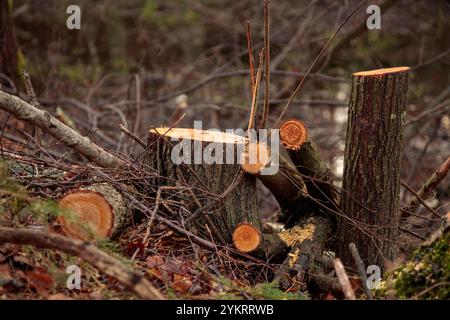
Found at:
[343, 280]
[42, 118]
[87, 252]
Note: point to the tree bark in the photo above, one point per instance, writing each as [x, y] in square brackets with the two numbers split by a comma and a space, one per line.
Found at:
[370, 196]
[307, 159]
[234, 191]
[307, 242]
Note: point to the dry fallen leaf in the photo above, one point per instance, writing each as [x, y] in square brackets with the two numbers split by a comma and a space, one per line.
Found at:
[40, 280]
[181, 283]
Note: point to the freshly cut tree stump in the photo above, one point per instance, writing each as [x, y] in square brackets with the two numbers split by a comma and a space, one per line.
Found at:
[220, 195]
[94, 212]
[370, 196]
[306, 157]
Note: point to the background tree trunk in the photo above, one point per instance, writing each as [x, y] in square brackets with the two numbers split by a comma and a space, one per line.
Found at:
[8, 45]
[370, 196]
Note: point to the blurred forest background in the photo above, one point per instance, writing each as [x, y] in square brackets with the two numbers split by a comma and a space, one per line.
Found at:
[137, 62]
[132, 62]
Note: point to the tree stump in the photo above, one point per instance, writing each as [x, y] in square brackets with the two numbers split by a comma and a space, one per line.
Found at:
[370, 196]
[219, 194]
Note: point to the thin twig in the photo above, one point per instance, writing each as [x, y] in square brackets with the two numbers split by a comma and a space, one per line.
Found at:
[361, 269]
[30, 90]
[421, 200]
[255, 91]
[343, 280]
[412, 233]
[34, 102]
[265, 113]
[251, 61]
[431, 60]
[132, 135]
[315, 61]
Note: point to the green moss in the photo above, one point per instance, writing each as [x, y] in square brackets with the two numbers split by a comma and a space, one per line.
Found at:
[261, 291]
[425, 276]
[270, 291]
[170, 17]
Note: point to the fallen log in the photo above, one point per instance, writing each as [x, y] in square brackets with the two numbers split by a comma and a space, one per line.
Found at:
[274, 247]
[306, 231]
[93, 212]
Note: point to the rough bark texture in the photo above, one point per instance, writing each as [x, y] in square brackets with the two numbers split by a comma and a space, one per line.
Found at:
[307, 242]
[307, 159]
[370, 196]
[206, 182]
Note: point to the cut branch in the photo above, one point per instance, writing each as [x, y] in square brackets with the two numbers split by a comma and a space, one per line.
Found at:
[306, 157]
[246, 238]
[432, 182]
[277, 173]
[95, 212]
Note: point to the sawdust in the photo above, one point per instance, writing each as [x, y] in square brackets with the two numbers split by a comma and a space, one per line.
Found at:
[298, 234]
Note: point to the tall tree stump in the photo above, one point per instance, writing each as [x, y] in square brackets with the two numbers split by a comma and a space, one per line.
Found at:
[220, 196]
[370, 196]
